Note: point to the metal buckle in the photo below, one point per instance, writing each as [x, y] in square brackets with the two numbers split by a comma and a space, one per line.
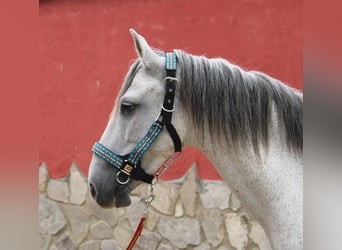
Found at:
[168, 110]
[172, 79]
[126, 169]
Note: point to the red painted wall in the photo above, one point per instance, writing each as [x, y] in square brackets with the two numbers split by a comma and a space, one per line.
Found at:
[86, 49]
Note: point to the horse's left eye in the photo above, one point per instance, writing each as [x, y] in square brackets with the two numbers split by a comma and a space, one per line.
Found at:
[127, 107]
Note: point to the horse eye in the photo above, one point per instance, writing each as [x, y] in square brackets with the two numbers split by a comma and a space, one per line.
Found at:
[127, 107]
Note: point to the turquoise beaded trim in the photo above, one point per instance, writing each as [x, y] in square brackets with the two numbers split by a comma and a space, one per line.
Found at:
[171, 61]
[107, 155]
[145, 143]
[138, 151]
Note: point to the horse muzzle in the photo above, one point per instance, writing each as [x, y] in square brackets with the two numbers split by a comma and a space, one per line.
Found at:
[104, 187]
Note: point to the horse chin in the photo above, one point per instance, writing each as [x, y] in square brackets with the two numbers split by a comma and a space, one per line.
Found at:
[121, 198]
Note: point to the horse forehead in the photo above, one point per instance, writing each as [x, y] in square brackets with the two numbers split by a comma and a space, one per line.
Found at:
[145, 82]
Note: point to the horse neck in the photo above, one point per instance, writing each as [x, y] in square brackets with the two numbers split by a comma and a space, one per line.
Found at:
[259, 181]
[229, 162]
[243, 161]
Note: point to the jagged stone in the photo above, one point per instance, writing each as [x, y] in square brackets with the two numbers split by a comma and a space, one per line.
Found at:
[83, 225]
[135, 211]
[65, 243]
[109, 245]
[120, 211]
[109, 215]
[215, 195]
[166, 195]
[211, 220]
[179, 212]
[237, 231]
[140, 190]
[78, 186]
[90, 245]
[79, 222]
[123, 234]
[100, 231]
[51, 218]
[203, 246]
[188, 192]
[258, 236]
[180, 231]
[225, 246]
[165, 247]
[255, 248]
[43, 177]
[235, 203]
[153, 218]
[58, 190]
[45, 240]
[148, 240]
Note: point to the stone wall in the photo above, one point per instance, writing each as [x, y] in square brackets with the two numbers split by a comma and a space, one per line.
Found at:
[186, 214]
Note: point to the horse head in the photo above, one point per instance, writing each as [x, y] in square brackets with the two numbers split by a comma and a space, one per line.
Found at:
[137, 106]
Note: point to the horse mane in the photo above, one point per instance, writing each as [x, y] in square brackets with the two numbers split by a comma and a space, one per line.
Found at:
[235, 105]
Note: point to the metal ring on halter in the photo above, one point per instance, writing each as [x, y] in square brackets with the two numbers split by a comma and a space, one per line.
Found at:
[174, 79]
[168, 110]
[118, 179]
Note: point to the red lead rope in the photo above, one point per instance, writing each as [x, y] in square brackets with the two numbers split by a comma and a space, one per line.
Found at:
[137, 233]
[150, 198]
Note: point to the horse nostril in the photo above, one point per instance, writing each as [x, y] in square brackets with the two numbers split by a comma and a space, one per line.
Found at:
[92, 190]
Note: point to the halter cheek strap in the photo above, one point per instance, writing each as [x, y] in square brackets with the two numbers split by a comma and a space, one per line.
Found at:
[129, 165]
[168, 105]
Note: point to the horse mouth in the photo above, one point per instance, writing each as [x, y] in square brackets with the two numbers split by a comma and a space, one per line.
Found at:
[121, 198]
[118, 198]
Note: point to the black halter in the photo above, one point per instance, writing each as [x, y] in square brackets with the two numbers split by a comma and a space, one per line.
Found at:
[129, 165]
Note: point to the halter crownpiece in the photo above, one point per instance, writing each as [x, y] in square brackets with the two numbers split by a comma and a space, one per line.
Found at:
[171, 61]
[129, 165]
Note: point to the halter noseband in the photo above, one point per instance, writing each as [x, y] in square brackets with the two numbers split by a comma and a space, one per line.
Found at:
[129, 165]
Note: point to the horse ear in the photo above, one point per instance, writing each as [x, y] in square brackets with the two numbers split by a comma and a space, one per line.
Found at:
[149, 58]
